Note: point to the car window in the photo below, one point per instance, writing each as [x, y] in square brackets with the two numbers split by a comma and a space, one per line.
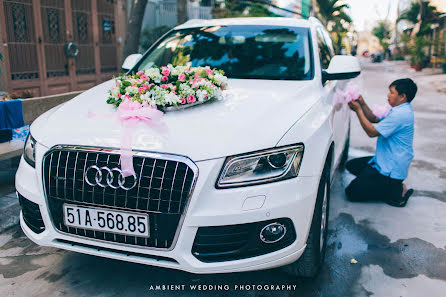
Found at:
[324, 51]
[329, 43]
[257, 52]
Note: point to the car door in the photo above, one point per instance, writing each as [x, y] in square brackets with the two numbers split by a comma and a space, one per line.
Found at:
[339, 112]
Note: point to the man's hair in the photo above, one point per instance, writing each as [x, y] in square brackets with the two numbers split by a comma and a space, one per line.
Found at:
[405, 86]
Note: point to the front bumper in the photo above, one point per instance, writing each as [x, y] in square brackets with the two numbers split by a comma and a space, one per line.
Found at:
[293, 199]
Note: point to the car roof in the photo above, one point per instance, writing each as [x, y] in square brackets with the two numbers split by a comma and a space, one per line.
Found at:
[272, 21]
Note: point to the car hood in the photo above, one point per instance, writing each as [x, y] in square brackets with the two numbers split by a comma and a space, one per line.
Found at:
[253, 115]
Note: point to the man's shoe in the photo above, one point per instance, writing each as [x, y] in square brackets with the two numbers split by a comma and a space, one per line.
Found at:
[403, 200]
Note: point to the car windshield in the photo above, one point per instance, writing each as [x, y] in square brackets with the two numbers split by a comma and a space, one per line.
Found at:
[251, 52]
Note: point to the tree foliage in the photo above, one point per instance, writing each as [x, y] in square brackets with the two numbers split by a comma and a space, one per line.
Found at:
[333, 14]
[332, 11]
[429, 15]
[383, 33]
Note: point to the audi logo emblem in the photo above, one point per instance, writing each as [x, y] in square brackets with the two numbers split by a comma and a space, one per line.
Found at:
[106, 177]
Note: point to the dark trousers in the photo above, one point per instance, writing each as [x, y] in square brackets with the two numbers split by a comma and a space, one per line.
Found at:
[369, 184]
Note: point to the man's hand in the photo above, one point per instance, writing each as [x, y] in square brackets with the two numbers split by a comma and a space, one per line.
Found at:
[354, 105]
[361, 100]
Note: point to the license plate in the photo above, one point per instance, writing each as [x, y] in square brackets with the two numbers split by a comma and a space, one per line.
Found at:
[105, 220]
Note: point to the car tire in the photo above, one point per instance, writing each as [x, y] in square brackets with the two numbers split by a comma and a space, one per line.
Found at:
[310, 262]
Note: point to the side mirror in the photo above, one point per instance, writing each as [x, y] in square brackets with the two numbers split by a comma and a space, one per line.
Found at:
[341, 67]
[130, 61]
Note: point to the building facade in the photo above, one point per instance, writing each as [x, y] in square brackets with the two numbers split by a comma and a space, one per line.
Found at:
[57, 46]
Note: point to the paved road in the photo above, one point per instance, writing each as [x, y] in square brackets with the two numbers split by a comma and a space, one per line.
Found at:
[400, 252]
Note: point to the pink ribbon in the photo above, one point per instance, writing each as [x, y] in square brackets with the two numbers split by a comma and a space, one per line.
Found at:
[130, 113]
[351, 92]
[381, 111]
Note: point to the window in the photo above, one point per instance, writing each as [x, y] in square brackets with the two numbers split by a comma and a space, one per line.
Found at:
[324, 50]
[250, 52]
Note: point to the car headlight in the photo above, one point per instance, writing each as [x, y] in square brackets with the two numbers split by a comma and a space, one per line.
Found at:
[261, 167]
[29, 152]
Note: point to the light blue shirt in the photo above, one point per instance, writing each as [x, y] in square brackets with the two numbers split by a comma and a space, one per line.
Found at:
[394, 148]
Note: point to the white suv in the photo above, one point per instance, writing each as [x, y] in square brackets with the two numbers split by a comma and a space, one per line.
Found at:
[234, 185]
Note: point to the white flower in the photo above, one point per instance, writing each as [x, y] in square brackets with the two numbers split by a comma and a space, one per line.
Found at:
[131, 89]
[221, 78]
[114, 92]
[171, 98]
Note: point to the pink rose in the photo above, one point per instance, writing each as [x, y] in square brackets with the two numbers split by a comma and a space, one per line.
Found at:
[127, 96]
[145, 86]
[191, 99]
[141, 89]
[144, 77]
[209, 72]
[182, 77]
[165, 71]
[119, 95]
[139, 73]
[182, 101]
[165, 78]
[164, 86]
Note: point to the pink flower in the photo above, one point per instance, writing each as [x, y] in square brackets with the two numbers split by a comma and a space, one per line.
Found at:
[197, 74]
[117, 83]
[182, 77]
[144, 77]
[165, 78]
[119, 95]
[173, 92]
[145, 86]
[209, 72]
[164, 86]
[127, 96]
[191, 99]
[141, 89]
[182, 101]
[139, 73]
[165, 71]
[133, 86]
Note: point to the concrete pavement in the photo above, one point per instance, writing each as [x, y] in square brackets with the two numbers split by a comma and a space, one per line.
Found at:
[400, 251]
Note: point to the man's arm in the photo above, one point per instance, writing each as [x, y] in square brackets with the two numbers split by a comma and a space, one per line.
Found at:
[367, 111]
[365, 123]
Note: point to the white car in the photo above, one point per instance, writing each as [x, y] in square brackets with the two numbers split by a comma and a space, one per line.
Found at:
[234, 185]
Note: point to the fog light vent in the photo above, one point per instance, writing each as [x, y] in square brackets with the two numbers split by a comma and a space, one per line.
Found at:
[272, 233]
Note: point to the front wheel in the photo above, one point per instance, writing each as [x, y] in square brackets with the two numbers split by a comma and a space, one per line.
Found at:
[309, 264]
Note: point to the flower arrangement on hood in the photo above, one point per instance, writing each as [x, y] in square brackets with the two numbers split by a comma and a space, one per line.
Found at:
[166, 86]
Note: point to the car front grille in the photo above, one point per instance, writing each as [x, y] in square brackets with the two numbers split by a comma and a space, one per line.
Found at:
[163, 186]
